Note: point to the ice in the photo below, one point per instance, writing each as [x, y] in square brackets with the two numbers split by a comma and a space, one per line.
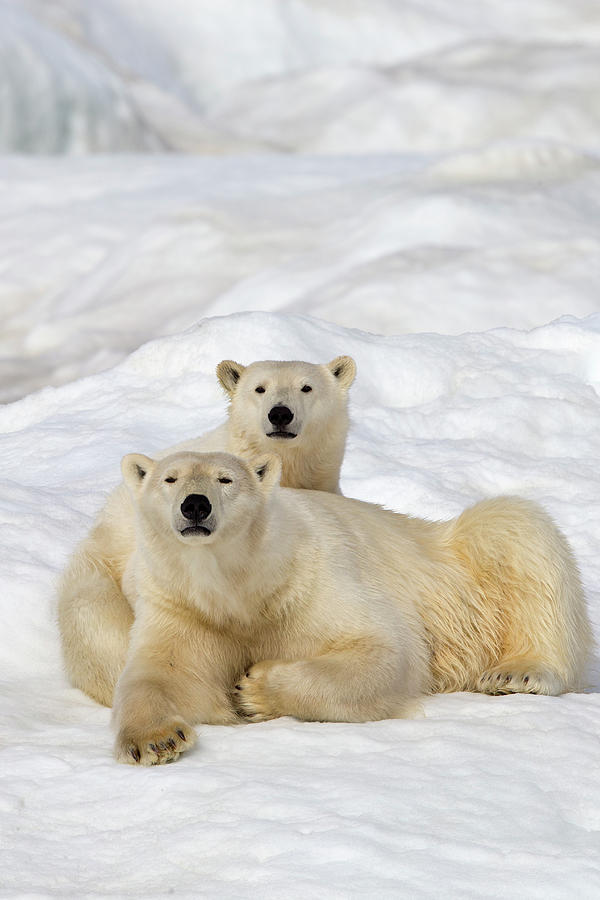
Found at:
[416, 184]
[371, 75]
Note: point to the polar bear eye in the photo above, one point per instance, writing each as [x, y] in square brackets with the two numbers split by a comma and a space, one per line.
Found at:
[170, 479]
[224, 480]
[259, 389]
[306, 389]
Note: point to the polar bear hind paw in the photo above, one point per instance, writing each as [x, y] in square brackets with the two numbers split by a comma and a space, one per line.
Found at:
[519, 680]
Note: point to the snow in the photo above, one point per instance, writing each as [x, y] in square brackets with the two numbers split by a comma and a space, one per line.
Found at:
[434, 213]
[360, 76]
[102, 254]
[478, 797]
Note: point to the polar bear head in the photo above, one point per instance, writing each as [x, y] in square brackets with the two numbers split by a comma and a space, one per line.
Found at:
[194, 496]
[293, 405]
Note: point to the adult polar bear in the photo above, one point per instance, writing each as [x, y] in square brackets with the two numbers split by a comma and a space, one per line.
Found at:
[336, 609]
[295, 409]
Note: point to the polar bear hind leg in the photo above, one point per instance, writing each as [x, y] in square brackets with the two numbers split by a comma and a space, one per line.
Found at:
[529, 577]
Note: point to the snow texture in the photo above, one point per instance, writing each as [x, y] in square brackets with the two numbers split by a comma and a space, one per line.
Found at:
[436, 217]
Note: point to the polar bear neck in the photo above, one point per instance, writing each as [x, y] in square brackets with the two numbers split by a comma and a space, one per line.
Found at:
[225, 582]
[314, 469]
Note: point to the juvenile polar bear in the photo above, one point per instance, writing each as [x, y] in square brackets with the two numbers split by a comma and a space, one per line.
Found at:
[295, 409]
[333, 608]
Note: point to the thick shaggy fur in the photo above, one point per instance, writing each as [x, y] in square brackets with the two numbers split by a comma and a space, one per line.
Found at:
[94, 613]
[313, 605]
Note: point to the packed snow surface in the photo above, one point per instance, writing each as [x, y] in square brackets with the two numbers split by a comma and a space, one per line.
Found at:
[416, 184]
[478, 797]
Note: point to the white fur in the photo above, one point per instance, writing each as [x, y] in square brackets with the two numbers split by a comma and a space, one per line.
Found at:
[313, 605]
[94, 614]
[312, 459]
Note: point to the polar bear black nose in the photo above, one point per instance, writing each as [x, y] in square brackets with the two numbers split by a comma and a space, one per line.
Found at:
[196, 507]
[280, 416]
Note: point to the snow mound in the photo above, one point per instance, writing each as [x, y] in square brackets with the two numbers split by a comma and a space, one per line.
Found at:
[480, 797]
[104, 253]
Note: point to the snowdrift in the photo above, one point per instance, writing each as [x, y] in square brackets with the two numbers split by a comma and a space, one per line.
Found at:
[104, 253]
[478, 797]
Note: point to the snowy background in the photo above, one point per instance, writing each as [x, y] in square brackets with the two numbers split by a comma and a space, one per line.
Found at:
[415, 184]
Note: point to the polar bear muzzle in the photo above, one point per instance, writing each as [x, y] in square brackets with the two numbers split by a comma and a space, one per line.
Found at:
[280, 417]
[196, 508]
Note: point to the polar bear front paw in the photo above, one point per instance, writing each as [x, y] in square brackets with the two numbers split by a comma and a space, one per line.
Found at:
[154, 746]
[252, 697]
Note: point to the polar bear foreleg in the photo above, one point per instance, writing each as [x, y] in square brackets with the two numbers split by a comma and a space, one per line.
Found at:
[173, 679]
[357, 684]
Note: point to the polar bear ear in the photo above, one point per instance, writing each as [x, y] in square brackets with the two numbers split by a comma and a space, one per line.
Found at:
[229, 374]
[343, 368]
[268, 471]
[135, 468]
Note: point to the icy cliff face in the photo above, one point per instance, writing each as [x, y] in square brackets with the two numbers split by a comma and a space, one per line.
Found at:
[59, 95]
